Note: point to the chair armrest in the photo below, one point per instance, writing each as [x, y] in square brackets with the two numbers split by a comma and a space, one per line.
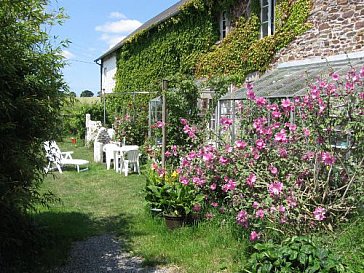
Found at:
[67, 155]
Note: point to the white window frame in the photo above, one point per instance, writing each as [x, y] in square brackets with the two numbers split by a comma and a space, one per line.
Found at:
[224, 24]
[269, 23]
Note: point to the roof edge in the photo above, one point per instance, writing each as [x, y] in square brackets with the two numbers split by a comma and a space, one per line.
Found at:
[151, 23]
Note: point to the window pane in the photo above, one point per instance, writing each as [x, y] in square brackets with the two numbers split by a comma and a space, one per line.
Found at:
[264, 2]
[265, 14]
[264, 29]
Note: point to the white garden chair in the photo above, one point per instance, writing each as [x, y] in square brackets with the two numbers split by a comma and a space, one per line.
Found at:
[59, 159]
[131, 160]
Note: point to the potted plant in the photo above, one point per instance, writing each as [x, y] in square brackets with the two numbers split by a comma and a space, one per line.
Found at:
[175, 199]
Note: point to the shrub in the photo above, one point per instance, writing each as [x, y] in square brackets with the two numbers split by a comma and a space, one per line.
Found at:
[282, 174]
[296, 254]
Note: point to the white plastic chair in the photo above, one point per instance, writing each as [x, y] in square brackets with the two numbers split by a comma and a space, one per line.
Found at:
[129, 159]
[109, 150]
[58, 158]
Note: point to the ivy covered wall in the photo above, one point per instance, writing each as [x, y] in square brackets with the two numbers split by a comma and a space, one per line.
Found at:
[187, 44]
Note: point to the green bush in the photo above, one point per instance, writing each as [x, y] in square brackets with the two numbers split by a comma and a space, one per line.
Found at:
[296, 254]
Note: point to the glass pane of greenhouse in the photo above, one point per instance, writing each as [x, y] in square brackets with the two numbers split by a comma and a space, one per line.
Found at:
[155, 113]
[284, 82]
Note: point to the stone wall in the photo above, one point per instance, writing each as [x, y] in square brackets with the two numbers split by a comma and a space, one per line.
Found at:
[337, 28]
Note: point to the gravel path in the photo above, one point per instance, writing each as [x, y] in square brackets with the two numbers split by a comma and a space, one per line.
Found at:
[101, 254]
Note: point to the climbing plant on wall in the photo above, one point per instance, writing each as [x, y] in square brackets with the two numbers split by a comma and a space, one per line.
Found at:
[186, 44]
[243, 52]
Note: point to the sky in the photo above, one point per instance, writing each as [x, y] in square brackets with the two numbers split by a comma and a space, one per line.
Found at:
[93, 27]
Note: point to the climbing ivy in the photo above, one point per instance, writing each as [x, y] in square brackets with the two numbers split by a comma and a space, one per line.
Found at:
[242, 51]
[186, 44]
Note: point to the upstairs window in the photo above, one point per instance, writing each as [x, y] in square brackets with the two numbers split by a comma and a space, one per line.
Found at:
[267, 17]
[224, 24]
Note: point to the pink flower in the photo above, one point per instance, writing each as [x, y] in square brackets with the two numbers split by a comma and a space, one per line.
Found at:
[327, 158]
[214, 204]
[183, 121]
[273, 170]
[251, 180]
[242, 218]
[255, 205]
[319, 213]
[160, 124]
[240, 144]
[229, 186]
[306, 132]
[209, 216]
[154, 166]
[198, 181]
[308, 156]
[259, 214]
[282, 208]
[208, 156]
[276, 114]
[260, 144]
[254, 236]
[223, 160]
[250, 94]
[335, 76]
[283, 153]
[275, 188]
[213, 186]
[196, 207]
[291, 126]
[287, 105]
[183, 180]
[226, 121]
[167, 153]
[281, 136]
[261, 101]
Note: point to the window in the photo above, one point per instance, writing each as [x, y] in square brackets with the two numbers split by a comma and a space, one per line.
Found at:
[224, 24]
[267, 17]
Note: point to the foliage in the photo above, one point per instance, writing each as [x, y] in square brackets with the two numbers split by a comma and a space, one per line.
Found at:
[296, 254]
[185, 44]
[163, 191]
[32, 91]
[86, 93]
[75, 117]
[286, 175]
[242, 52]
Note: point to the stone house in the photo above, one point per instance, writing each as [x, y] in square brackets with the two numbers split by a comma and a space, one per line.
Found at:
[333, 27]
[240, 39]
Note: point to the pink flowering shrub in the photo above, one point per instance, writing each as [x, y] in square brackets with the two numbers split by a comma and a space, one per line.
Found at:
[289, 170]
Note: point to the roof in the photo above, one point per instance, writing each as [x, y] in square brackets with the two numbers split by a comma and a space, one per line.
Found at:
[161, 17]
[290, 79]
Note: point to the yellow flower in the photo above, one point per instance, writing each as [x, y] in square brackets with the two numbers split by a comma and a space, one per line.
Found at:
[174, 174]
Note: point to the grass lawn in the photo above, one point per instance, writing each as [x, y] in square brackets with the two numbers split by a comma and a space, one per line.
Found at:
[101, 201]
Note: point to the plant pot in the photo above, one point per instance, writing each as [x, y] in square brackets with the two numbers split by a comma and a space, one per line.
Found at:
[173, 222]
[73, 140]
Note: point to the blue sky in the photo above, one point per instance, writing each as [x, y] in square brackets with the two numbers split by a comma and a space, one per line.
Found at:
[93, 27]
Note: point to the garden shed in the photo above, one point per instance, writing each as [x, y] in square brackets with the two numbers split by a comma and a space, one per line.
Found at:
[288, 80]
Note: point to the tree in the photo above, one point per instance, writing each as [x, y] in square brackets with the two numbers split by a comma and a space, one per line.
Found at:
[31, 95]
[72, 94]
[87, 93]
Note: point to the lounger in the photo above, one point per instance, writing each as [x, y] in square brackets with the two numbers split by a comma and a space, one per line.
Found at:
[59, 159]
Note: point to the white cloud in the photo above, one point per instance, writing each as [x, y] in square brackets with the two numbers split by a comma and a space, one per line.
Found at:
[122, 26]
[112, 39]
[67, 54]
[117, 15]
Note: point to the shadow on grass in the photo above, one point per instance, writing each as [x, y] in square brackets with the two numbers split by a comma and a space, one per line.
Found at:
[65, 228]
